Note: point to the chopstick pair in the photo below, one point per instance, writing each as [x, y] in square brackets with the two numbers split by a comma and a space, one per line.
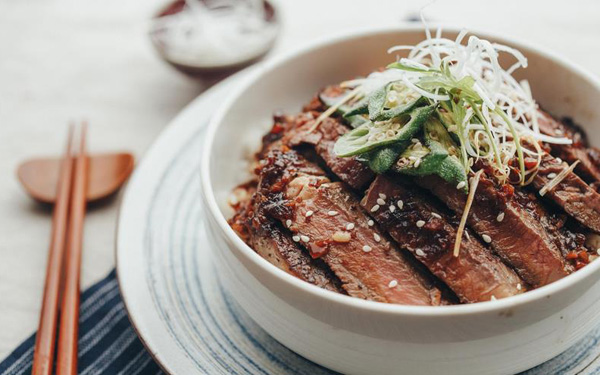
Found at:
[64, 264]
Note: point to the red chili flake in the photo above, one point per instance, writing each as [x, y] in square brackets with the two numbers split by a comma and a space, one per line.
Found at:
[277, 128]
[321, 243]
[508, 190]
[584, 256]
[530, 163]
[579, 265]
[572, 255]
[316, 251]
[277, 187]
[298, 199]
[285, 148]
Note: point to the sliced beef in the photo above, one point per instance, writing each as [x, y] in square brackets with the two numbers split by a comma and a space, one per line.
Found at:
[514, 234]
[572, 194]
[349, 169]
[587, 168]
[417, 225]
[327, 219]
[567, 238]
[275, 244]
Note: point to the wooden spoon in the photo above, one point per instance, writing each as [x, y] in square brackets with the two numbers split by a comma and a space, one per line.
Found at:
[107, 172]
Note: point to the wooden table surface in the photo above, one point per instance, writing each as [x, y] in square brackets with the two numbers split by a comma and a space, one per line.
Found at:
[84, 59]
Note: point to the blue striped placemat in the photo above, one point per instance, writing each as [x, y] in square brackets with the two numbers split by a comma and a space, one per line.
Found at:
[108, 345]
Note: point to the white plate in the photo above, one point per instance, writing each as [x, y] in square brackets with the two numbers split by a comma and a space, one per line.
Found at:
[172, 293]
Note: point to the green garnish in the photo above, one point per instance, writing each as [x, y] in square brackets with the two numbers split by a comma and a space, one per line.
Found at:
[373, 135]
[436, 157]
[383, 159]
[460, 93]
[345, 110]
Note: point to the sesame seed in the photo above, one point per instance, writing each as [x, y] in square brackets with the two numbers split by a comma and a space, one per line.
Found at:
[558, 160]
[367, 248]
[461, 185]
[467, 235]
[288, 223]
[420, 252]
[415, 140]
[393, 284]
[486, 238]
[420, 223]
[375, 208]
[309, 213]
[417, 163]
[400, 204]
[500, 217]
[392, 208]
[551, 175]
[376, 237]
[296, 238]
[519, 287]
[437, 216]
[380, 201]
[371, 223]
[340, 236]
[350, 226]
[598, 251]
[382, 196]
[557, 131]
[332, 213]
[304, 238]
[493, 298]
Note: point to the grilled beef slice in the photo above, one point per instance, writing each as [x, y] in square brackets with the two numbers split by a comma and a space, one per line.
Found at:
[417, 225]
[328, 220]
[568, 238]
[348, 169]
[275, 244]
[516, 236]
[572, 194]
[578, 150]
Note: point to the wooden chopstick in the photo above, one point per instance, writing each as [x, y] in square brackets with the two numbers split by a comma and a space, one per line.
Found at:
[43, 356]
[69, 319]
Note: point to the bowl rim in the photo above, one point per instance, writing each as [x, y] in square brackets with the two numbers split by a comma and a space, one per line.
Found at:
[352, 302]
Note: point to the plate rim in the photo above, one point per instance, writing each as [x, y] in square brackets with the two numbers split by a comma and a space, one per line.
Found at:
[179, 125]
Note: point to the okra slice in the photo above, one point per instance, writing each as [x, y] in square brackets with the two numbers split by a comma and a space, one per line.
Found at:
[389, 114]
[437, 157]
[372, 135]
[381, 160]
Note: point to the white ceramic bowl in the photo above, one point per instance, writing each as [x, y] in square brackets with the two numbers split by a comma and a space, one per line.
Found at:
[362, 337]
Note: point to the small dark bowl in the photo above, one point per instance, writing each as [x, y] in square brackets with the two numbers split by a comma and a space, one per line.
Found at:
[216, 70]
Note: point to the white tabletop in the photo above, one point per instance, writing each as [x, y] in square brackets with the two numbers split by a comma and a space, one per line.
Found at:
[84, 59]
